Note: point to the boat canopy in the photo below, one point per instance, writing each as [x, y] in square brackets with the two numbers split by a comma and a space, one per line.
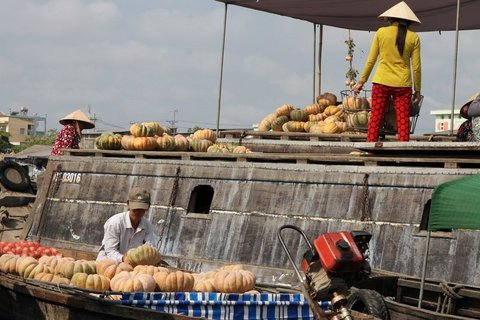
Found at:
[455, 205]
[438, 15]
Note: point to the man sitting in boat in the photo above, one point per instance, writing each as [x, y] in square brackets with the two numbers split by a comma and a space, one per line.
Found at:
[129, 229]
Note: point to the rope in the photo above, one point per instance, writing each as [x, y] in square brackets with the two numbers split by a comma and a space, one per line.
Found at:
[446, 301]
[366, 213]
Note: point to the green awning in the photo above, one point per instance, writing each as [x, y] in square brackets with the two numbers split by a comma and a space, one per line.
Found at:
[456, 205]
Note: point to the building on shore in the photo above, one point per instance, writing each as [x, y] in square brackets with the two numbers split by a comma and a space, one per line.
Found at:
[443, 119]
[20, 125]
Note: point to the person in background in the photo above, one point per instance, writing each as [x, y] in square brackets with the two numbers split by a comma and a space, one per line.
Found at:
[71, 134]
[129, 229]
[37, 169]
[474, 113]
[397, 49]
[464, 132]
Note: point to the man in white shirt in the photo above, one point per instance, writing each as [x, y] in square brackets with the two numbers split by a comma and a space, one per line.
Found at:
[127, 230]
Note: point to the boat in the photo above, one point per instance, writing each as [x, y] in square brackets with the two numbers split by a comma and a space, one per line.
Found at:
[217, 209]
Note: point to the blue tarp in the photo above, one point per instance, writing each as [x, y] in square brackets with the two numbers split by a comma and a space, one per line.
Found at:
[225, 306]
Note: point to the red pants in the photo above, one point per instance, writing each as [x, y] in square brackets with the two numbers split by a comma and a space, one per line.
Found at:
[402, 99]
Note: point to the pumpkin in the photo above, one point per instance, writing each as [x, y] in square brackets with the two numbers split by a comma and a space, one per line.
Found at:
[218, 148]
[207, 134]
[181, 143]
[132, 281]
[109, 141]
[142, 130]
[234, 281]
[353, 102]
[241, 149]
[284, 110]
[318, 128]
[90, 281]
[298, 115]
[174, 281]
[323, 102]
[333, 110]
[139, 143]
[8, 263]
[50, 277]
[332, 98]
[200, 145]
[360, 119]
[151, 270]
[330, 127]
[109, 267]
[25, 265]
[204, 285]
[68, 268]
[39, 268]
[52, 261]
[166, 142]
[142, 255]
[307, 125]
[159, 130]
[266, 123]
[294, 126]
[314, 109]
[317, 117]
[278, 123]
[342, 126]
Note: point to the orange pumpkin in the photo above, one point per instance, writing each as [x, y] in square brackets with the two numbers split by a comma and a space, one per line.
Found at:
[174, 281]
[166, 142]
[284, 110]
[90, 281]
[200, 145]
[139, 143]
[205, 134]
[142, 255]
[234, 281]
[109, 267]
[181, 143]
[133, 281]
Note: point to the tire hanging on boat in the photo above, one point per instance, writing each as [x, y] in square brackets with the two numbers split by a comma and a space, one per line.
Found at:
[13, 176]
[369, 302]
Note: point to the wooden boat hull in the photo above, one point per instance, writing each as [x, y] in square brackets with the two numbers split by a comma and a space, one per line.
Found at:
[24, 300]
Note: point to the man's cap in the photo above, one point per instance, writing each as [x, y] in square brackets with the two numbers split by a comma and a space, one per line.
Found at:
[78, 115]
[400, 11]
[139, 198]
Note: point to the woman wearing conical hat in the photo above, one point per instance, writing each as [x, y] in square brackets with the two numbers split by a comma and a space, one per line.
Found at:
[71, 134]
[397, 49]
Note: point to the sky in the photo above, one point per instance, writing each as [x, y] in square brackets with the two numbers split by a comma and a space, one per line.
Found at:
[127, 61]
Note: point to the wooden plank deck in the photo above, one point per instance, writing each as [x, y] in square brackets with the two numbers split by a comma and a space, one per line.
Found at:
[358, 159]
[304, 136]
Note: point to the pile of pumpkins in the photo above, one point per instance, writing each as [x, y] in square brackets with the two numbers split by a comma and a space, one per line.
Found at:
[326, 116]
[139, 273]
[150, 136]
[357, 110]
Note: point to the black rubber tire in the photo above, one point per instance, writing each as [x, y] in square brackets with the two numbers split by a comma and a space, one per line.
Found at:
[13, 176]
[369, 302]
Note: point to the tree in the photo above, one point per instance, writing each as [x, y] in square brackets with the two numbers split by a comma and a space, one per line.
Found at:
[43, 139]
[5, 145]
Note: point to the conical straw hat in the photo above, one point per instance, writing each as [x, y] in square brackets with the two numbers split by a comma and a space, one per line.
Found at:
[401, 11]
[78, 115]
[472, 98]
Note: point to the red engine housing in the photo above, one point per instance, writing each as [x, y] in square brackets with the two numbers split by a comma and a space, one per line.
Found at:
[338, 253]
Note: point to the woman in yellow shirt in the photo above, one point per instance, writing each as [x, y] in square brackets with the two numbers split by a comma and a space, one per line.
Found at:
[397, 49]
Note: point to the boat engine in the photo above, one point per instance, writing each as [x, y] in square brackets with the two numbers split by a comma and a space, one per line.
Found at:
[335, 262]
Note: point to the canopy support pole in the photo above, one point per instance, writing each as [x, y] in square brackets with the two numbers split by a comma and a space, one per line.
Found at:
[314, 59]
[455, 68]
[424, 270]
[221, 69]
[320, 45]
